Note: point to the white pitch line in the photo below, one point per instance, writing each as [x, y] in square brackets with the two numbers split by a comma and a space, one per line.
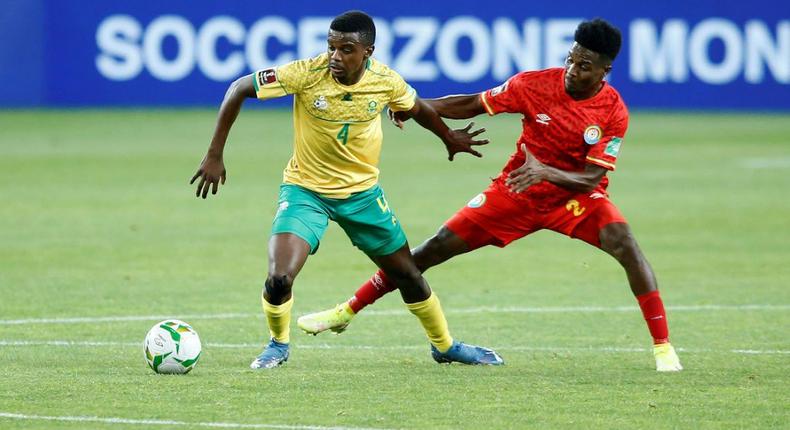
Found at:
[185, 424]
[374, 312]
[613, 349]
[77, 320]
[766, 163]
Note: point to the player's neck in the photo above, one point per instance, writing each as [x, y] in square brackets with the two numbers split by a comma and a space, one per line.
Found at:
[586, 94]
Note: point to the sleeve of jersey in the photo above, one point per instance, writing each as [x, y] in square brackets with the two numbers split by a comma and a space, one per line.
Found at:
[504, 98]
[604, 153]
[403, 96]
[280, 81]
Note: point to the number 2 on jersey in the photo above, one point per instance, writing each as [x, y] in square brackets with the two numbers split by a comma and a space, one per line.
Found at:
[343, 135]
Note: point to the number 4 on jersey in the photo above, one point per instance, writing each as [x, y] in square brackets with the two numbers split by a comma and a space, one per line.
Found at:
[343, 135]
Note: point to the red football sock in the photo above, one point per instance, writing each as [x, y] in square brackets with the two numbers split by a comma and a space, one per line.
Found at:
[370, 291]
[655, 316]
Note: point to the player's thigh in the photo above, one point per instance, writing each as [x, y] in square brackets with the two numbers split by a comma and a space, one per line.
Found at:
[370, 223]
[302, 213]
[584, 216]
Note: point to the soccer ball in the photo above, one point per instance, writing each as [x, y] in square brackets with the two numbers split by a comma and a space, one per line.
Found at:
[172, 346]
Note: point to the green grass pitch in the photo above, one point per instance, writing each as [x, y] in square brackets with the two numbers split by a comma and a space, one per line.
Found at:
[97, 221]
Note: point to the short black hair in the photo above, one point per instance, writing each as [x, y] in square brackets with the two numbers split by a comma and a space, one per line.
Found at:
[599, 36]
[355, 21]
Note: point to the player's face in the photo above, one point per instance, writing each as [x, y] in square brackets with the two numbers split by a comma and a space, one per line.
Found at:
[347, 56]
[584, 71]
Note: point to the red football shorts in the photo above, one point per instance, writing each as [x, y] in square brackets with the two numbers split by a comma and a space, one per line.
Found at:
[495, 218]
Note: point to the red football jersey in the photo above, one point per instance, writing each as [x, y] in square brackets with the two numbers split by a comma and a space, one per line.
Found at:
[559, 131]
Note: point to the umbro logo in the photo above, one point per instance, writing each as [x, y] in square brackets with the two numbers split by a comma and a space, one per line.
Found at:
[542, 118]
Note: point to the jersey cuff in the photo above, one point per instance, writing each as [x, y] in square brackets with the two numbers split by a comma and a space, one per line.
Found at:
[605, 164]
[485, 104]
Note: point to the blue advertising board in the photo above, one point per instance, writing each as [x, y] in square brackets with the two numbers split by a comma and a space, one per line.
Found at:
[676, 54]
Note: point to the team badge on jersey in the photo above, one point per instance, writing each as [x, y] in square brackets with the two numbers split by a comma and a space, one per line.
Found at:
[372, 106]
[477, 201]
[266, 77]
[500, 89]
[592, 134]
[320, 103]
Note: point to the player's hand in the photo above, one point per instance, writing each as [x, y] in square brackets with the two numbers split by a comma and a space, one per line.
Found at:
[210, 172]
[530, 173]
[462, 140]
[397, 118]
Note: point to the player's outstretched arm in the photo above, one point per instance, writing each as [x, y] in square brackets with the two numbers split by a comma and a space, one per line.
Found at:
[454, 107]
[533, 172]
[460, 140]
[212, 169]
[461, 106]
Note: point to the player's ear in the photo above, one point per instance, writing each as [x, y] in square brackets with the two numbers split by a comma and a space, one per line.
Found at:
[369, 51]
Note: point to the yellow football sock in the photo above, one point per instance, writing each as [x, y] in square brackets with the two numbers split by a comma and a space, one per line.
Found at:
[279, 319]
[432, 318]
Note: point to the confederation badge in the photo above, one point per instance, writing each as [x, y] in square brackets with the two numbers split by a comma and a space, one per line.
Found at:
[500, 89]
[592, 134]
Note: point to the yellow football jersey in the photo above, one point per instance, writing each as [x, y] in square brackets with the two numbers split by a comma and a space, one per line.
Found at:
[337, 128]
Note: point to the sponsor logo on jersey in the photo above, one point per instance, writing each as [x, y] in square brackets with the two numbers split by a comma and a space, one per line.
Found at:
[266, 77]
[500, 89]
[542, 118]
[477, 201]
[613, 147]
[592, 134]
[320, 103]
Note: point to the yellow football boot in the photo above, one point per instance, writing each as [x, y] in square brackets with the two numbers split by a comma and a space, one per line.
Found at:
[666, 358]
[335, 319]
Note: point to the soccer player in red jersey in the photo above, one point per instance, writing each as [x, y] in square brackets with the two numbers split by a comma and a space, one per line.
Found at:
[573, 126]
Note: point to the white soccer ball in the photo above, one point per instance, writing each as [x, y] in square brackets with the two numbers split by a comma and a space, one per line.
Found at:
[172, 346]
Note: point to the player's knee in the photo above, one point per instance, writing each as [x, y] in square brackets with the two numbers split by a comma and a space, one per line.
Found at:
[617, 240]
[426, 254]
[436, 250]
[406, 278]
[278, 284]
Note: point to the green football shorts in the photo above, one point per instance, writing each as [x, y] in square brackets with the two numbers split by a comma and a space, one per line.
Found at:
[365, 217]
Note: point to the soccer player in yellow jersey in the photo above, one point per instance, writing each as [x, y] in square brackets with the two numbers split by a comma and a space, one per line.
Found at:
[333, 174]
